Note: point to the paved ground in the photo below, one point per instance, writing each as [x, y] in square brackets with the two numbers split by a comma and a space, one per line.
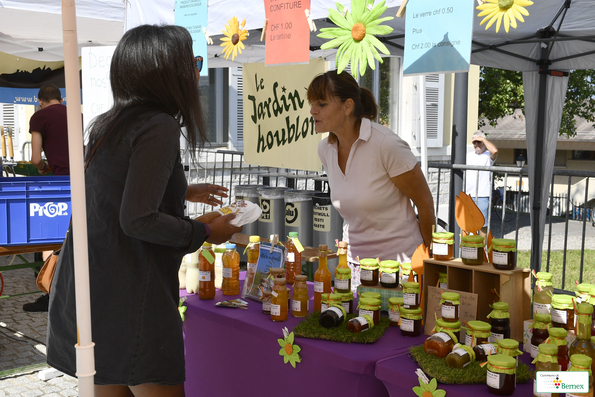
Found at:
[22, 335]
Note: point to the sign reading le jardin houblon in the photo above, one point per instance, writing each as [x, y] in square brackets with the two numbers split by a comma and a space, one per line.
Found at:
[438, 36]
[278, 128]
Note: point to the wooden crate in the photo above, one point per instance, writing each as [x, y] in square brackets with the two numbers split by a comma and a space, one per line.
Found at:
[513, 286]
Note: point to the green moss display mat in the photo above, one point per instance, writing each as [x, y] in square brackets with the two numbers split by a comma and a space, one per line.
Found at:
[310, 328]
[436, 367]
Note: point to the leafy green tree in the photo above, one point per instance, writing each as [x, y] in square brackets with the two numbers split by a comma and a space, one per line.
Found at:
[501, 93]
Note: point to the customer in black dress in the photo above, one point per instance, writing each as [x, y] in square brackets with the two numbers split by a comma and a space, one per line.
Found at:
[137, 231]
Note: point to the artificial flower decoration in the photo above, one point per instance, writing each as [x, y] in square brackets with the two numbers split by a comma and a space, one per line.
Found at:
[355, 34]
[181, 308]
[289, 351]
[428, 389]
[507, 10]
[234, 35]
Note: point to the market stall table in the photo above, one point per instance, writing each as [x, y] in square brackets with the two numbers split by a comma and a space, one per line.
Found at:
[235, 352]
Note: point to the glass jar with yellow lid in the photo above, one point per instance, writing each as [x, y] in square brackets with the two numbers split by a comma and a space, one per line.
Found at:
[343, 279]
[509, 347]
[460, 356]
[449, 306]
[542, 296]
[442, 280]
[324, 303]
[477, 332]
[563, 311]
[500, 319]
[581, 362]
[368, 271]
[394, 307]
[389, 273]
[472, 250]
[406, 271]
[371, 307]
[411, 295]
[347, 302]
[503, 253]
[501, 375]
[443, 339]
[411, 322]
[583, 291]
[558, 338]
[539, 332]
[443, 248]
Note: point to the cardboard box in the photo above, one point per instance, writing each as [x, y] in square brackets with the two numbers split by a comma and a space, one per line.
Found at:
[528, 334]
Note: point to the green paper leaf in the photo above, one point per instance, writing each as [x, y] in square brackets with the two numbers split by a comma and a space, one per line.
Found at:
[433, 384]
[285, 359]
[377, 22]
[357, 10]
[331, 33]
[418, 391]
[296, 349]
[374, 13]
[335, 42]
[281, 342]
[292, 364]
[378, 44]
[282, 352]
[290, 338]
[379, 30]
[339, 6]
[338, 19]
[439, 393]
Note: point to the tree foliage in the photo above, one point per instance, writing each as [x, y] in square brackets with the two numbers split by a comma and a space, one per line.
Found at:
[501, 93]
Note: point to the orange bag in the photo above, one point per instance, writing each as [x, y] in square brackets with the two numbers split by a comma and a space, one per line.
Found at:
[46, 274]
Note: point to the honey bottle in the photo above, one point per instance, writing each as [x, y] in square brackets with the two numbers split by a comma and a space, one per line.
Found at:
[279, 300]
[322, 277]
[293, 257]
[301, 298]
[231, 271]
[252, 253]
[206, 272]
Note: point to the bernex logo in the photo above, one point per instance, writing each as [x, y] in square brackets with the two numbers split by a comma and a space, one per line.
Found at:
[49, 209]
[561, 381]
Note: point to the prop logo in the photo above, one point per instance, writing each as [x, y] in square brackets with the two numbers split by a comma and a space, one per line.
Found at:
[49, 210]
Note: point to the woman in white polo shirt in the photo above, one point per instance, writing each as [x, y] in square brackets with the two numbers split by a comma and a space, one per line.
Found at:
[372, 173]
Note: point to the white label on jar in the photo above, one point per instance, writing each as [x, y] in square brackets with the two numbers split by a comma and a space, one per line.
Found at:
[496, 337]
[468, 340]
[439, 249]
[394, 316]
[389, 278]
[204, 276]
[443, 336]
[534, 350]
[336, 310]
[365, 275]
[275, 294]
[296, 306]
[559, 316]
[500, 258]
[363, 312]
[342, 284]
[266, 306]
[495, 380]
[443, 285]
[409, 299]
[290, 256]
[407, 324]
[469, 253]
[462, 352]
[318, 286]
[323, 307]
[542, 308]
[227, 272]
[362, 321]
[448, 311]
[535, 394]
[345, 306]
[275, 310]
[488, 349]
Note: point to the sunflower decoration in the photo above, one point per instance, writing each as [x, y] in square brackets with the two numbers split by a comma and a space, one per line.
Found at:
[507, 10]
[428, 389]
[355, 34]
[289, 351]
[234, 35]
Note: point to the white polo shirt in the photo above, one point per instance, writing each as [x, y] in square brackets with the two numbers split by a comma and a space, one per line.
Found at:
[485, 181]
[379, 221]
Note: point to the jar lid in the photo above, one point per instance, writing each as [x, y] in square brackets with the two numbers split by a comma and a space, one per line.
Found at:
[395, 301]
[343, 244]
[335, 297]
[368, 263]
[411, 284]
[293, 234]
[370, 302]
[230, 246]
[545, 276]
[373, 295]
[508, 343]
[558, 332]
[503, 242]
[565, 301]
[205, 244]
[548, 348]
[404, 310]
[346, 297]
[279, 281]
[343, 270]
[390, 264]
[479, 325]
[584, 308]
[324, 296]
[323, 247]
[406, 266]
[443, 235]
[499, 305]
[301, 277]
[277, 270]
[255, 239]
[219, 250]
[442, 274]
[455, 325]
[501, 360]
[543, 318]
[450, 296]
[472, 238]
[581, 360]
[584, 287]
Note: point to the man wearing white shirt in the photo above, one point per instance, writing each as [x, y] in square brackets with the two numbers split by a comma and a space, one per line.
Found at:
[485, 154]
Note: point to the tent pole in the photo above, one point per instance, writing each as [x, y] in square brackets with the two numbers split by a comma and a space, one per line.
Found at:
[85, 361]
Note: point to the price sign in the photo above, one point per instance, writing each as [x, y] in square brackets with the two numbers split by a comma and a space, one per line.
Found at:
[288, 33]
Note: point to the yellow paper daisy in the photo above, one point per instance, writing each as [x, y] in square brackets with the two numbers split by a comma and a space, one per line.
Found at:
[507, 10]
[355, 34]
[234, 35]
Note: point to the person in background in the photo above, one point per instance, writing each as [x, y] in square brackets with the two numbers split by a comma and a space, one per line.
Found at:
[49, 134]
[372, 173]
[484, 154]
[137, 232]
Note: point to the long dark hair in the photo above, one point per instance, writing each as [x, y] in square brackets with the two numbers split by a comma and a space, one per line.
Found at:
[152, 69]
[343, 86]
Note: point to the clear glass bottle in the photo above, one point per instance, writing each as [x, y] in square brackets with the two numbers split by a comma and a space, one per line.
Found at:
[279, 300]
[501, 375]
[293, 257]
[231, 271]
[342, 253]
[252, 253]
[582, 344]
[500, 320]
[206, 272]
[322, 277]
[546, 360]
[558, 338]
[542, 297]
[580, 362]
[301, 297]
[540, 332]
[443, 248]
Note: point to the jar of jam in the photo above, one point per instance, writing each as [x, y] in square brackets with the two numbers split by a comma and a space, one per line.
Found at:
[472, 250]
[332, 317]
[389, 274]
[483, 351]
[411, 295]
[581, 362]
[500, 320]
[477, 332]
[443, 248]
[394, 314]
[324, 302]
[547, 358]
[301, 297]
[266, 302]
[279, 300]
[501, 375]
[444, 338]
[371, 307]
[406, 272]
[460, 357]
[592, 300]
[542, 297]
[411, 321]
[540, 332]
[342, 279]
[583, 293]
[449, 306]
[347, 302]
[563, 312]
[509, 347]
[360, 324]
[369, 294]
[558, 338]
[368, 274]
[442, 280]
[503, 253]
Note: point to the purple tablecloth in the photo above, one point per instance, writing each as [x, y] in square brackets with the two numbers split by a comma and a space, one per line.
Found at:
[398, 375]
[235, 352]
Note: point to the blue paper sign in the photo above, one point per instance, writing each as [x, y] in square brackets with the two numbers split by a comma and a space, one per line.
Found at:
[438, 36]
[192, 14]
[257, 279]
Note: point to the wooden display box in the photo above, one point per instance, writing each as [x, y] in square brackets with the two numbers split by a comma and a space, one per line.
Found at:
[513, 286]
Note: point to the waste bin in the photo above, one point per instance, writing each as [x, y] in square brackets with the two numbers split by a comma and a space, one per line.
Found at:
[248, 193]
[327, 225]
[298, 214]
[272, 219]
